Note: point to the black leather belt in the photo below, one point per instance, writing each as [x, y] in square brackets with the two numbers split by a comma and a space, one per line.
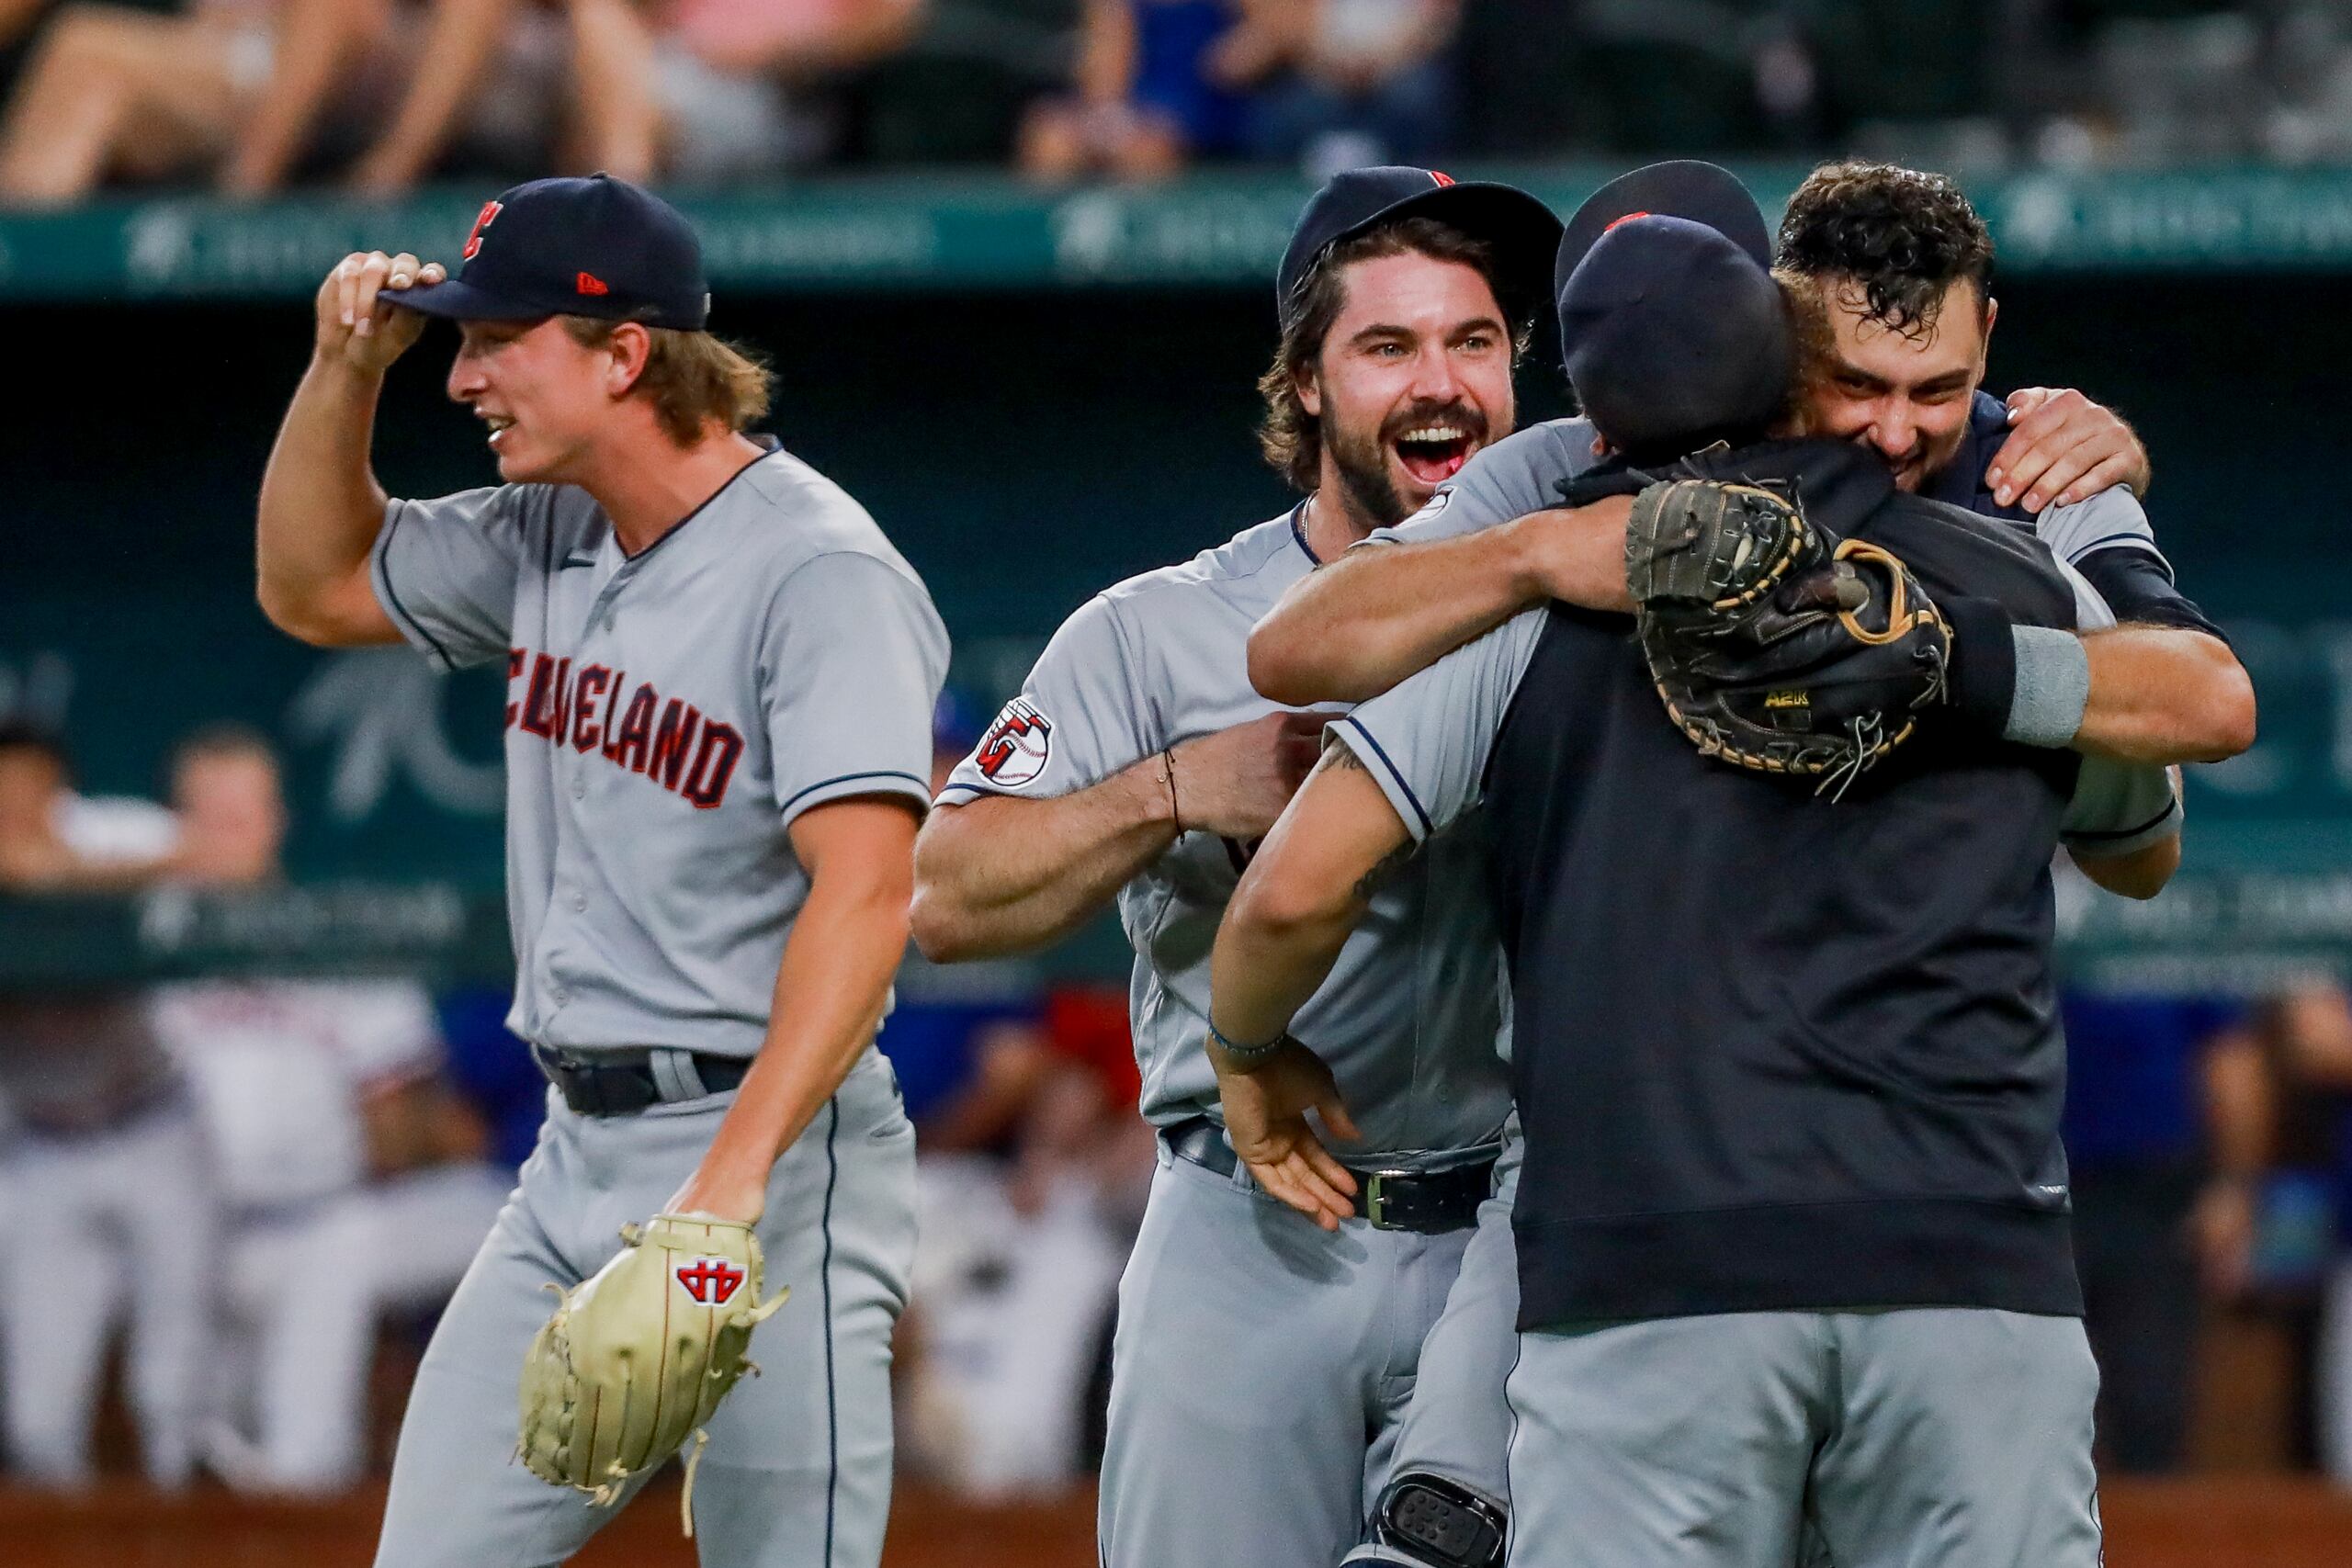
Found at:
[1429, 1203]
[622, 1083]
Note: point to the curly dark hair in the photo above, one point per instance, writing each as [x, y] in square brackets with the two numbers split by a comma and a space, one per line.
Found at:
[1904, 235]
[1292, 438]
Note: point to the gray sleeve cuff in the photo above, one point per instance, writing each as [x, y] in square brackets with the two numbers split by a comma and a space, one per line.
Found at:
[2054, 687]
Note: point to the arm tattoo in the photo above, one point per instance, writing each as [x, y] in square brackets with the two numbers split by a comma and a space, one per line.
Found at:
[1372, 881]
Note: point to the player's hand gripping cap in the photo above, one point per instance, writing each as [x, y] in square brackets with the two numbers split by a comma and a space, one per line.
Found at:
[1774, 647]
[638, 1357]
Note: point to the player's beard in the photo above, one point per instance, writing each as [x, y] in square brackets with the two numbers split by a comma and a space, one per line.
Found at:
[1362, 458]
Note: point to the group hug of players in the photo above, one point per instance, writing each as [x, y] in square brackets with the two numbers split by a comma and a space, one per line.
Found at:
[1575, 1149]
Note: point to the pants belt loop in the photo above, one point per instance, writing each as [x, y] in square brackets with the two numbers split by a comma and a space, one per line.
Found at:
[674, 1074]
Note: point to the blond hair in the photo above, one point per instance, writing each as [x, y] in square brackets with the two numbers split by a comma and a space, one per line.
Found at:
[691, 378]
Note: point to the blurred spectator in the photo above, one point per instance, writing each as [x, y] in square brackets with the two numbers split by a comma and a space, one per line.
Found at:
[2153, 1201]
[248, 89]
[351, 1174]
[1148, 95]
[969, 75]
[107, 1177]
[1016, 1282]
[53, 839]
[2312, 1038]
[706, 90]
[1343, 83]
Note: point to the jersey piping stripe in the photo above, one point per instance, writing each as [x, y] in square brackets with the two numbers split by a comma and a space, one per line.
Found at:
[922, 787]
[766, 451]
[392, 594]
[825, 1285]
[1403, 788]
[2104, 540]
[2108, 835]
[1298, 531]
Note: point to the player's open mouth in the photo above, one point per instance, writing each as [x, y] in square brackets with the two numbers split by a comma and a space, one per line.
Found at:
[498, 426]
[1433, 454]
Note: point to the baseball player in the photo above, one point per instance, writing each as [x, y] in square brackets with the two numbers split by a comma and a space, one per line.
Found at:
[1333, 636]
[721, 678]
[1138, 763]
[1837, 1102]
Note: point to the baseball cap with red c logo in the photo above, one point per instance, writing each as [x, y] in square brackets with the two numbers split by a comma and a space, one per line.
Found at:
[593, 246]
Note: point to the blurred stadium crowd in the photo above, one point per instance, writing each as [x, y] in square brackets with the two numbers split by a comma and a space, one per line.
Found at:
[249, 97]
[264, 1190]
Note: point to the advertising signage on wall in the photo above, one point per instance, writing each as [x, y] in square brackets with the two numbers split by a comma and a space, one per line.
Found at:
[971, 231]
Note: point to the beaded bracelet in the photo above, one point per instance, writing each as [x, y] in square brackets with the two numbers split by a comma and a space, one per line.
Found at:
[1246, 1056]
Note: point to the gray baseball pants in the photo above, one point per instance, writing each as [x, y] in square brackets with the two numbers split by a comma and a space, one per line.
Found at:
[1928, 1438]
[797, 1474]
[1258, 1372]
[1458, 1424]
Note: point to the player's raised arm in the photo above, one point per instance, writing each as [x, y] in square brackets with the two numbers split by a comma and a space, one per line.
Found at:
[1491, 542]
[1006, 873]
[1383, 611]
[2159, 696]
[321, 505]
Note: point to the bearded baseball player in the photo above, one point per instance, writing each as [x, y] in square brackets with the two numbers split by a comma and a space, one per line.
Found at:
[719, 683]
[1137, 765]
[2051, 460]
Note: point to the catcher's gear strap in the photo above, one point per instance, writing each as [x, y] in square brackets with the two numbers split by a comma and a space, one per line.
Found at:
[1439, 1521]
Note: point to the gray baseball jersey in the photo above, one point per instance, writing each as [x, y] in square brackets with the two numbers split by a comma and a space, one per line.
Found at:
[669, 715]
[1412, 1010]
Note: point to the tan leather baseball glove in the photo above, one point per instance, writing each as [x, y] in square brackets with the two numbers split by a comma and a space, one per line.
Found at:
[638, 1357]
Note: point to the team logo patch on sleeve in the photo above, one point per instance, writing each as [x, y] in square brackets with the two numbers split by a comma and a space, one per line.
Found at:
[1015, 751]
[709, 1281]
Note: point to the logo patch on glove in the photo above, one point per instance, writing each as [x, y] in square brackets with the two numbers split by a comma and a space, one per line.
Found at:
[709, 1281]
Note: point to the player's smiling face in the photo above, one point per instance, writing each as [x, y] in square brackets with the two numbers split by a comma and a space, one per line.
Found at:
[1414, 378]
[541, 395]
[1904, 394]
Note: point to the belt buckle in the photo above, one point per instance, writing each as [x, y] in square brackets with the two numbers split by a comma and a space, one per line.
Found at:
[1376, 1197]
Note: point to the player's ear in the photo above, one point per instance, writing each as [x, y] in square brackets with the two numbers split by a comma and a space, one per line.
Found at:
[626, 353]
[1308, 383]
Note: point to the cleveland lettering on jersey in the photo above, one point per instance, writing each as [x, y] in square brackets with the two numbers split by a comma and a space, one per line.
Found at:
[686, 752]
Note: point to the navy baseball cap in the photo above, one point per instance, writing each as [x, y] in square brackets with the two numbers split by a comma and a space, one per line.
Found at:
[1674, 336]
[1679, 187]
[1520, 229]
[597, 246]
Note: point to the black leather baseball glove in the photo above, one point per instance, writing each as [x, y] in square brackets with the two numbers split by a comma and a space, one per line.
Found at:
[1773, 646]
